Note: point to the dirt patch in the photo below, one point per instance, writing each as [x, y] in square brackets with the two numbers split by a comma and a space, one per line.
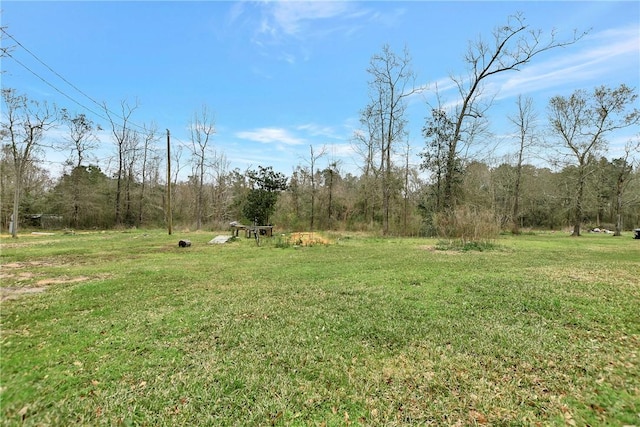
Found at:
[14, 265]
[23, 275]
[45, 282]
[13, 293]
[22, 243]
[440, 251]
[16, 273]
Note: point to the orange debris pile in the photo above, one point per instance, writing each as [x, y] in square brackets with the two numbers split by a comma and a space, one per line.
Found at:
[307, 239]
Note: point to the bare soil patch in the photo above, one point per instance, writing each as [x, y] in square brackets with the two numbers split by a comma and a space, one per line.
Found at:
[14, 293]
[12, 273]
[13, 265]
[440, 251]
[46, 282]
[20, 276]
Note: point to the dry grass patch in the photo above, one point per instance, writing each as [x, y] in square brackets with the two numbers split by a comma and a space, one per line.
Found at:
[585, 275]
[307, 239]
[26, 240]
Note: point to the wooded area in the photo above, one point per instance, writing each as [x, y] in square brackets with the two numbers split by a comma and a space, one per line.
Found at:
[452, 193]
[86, 196]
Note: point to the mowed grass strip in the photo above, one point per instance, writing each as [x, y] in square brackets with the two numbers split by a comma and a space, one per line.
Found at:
[543, 330]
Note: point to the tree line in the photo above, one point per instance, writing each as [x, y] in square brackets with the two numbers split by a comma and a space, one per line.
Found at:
[450, 193]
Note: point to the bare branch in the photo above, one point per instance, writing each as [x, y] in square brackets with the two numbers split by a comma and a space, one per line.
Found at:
[514, 45]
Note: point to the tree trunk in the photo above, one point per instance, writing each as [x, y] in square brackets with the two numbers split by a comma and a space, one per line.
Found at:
[578, 208]
[119, 191]
[76, 197]
[516, 200]
[200, 198]
[16, 204]
[618, 230]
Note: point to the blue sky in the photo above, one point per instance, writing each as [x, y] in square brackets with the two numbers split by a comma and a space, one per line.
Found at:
[281, 76]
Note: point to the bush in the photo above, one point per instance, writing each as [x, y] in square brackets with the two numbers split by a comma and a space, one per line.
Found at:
[282, 242]
[467, 225]
[459, 245]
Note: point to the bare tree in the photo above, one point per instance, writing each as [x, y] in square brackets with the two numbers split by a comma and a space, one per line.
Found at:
[405, 188]
[176, 161]
[131, 156]
[81, 139]
[331, 173]
[582, 121]
[24, 124]
[513, 46]
[365, 144]
[623, 169]
[202, 130]
[149, 138]
[123, 137]
[525, 122]
[314, 157]
[392, 82]
[221, 194]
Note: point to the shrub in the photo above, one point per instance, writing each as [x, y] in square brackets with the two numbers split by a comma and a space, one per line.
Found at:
[467, 225]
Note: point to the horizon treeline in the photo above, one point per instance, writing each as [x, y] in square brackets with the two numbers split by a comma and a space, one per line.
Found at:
[84, 197]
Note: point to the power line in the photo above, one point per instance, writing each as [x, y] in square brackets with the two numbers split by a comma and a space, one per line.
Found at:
[52, 86]
[144, 134]
[109, 112]
[50, 69]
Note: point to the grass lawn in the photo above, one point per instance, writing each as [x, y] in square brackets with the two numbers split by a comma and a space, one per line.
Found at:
[126, 328]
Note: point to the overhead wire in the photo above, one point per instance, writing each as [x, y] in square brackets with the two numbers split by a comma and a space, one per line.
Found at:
[145, 130]
[50, 69]
[54, 87]
[109, 113]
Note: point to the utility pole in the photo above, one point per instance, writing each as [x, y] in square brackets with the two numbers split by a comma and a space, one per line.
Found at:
[169, 216]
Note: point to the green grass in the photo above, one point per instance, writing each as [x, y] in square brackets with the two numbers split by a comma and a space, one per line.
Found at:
[129, 329]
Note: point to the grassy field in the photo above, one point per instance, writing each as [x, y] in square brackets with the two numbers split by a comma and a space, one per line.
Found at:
[126, 328]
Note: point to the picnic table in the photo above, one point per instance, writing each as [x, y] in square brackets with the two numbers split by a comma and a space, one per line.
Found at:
[252, 230]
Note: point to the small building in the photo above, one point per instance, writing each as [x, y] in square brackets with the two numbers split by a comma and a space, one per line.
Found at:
[44, 221]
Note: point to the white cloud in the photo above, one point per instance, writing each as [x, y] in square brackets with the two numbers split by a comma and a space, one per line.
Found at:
[388, 19]
[606, 51]
[295, 24]
[316, 130]
[342, 150]
[270, 136]
[236, 11]
[291, 17]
